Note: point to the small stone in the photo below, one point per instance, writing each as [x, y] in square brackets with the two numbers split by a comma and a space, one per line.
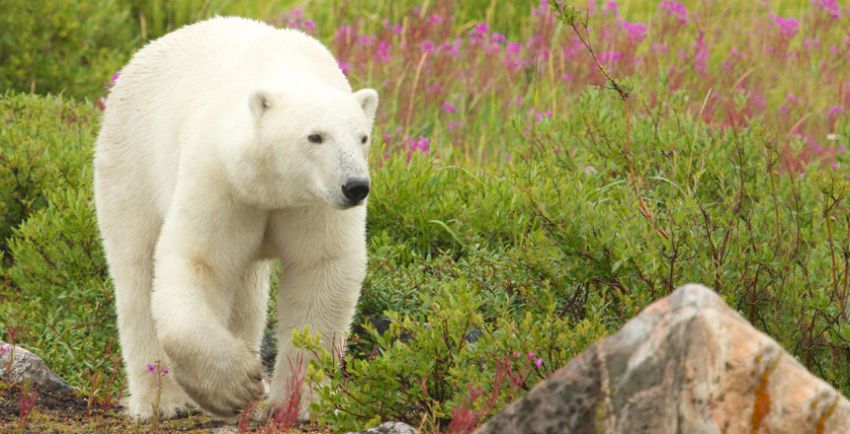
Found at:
[389, 428]
[27, 366]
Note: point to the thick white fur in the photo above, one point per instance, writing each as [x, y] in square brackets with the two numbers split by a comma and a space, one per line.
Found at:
[204, 172]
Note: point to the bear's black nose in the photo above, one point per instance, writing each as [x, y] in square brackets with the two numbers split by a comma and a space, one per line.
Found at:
[356, 189]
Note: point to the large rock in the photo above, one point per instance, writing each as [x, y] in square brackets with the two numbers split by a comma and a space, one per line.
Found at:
[686, 364]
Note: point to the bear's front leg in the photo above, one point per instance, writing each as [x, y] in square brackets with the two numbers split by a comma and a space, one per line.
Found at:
[322, 296]
[198, 270]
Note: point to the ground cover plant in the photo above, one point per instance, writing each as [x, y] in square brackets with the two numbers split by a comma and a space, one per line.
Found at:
[510, 224]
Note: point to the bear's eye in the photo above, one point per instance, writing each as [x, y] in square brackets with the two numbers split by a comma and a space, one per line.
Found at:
[363, 139]
[315, 138]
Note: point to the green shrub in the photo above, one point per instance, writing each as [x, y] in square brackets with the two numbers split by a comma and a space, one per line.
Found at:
[471, 264]
[70, 47]
[552, 251]
[60, 299]
[45, 144]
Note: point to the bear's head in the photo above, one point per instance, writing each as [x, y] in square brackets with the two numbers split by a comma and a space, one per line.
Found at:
[308, 145]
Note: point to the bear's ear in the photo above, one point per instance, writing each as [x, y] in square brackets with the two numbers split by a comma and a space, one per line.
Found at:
[259, 102]
[368, 100]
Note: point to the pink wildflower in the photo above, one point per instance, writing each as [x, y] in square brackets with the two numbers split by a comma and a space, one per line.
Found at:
[611, 7]
[792, 99]
[538, 362]
[427, 46]
[344, 67]
[675, 9]
[834, 111]
[383, 53]
[610, 57]
[788, 27]
[513, 47]
[831, 7]
[449, 107]
[701, 57]
[636, 31]
[421, 144]
[453, 48]
[151, 368]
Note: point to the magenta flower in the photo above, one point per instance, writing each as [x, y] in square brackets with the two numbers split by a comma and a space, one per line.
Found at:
[449, 107]
[427, 46]
[115, 77]
[164, 372]
[831, 7]
[513, 47]
[792, 99]
[4, 349]
[788, 27]
[538, 362]
[344, 34]
[309, 26]
[383, 53]
[453, 48]
[674, 9]
[435, 19]
[421, 144]
[834, 111]
[701, 57]
[366, 40]
[530, 355]
[611, 7]
[151, 368]
[610, 57]
[636, 31]
[497, 38]
[344, 67]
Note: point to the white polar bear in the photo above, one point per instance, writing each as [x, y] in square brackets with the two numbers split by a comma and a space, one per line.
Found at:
[225, 144]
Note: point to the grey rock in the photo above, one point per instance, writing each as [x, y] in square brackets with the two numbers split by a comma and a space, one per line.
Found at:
[389, 428]
[27, 366]
[687, 364]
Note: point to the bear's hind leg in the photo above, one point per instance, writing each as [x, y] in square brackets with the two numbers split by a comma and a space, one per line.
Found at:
[129, 234]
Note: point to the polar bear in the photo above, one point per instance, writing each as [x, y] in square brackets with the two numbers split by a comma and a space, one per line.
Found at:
[224, 145]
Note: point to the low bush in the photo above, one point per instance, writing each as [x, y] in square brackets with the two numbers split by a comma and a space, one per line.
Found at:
[472, 267]
[45, 144]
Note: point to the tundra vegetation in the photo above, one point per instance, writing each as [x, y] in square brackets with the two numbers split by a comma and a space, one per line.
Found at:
[523, 204]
